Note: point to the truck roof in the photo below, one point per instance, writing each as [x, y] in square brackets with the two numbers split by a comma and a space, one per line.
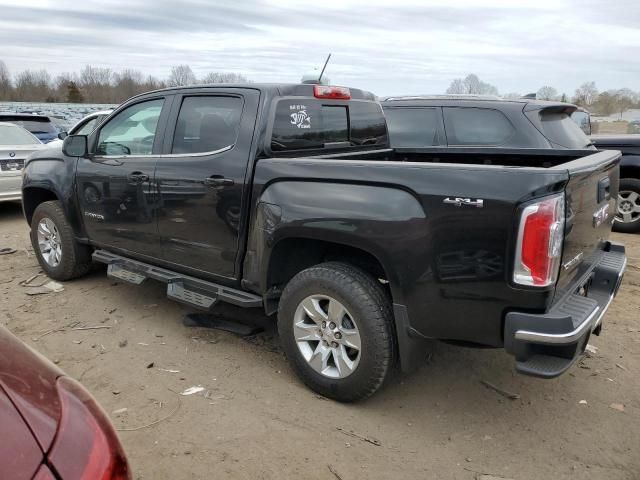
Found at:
[275, 89]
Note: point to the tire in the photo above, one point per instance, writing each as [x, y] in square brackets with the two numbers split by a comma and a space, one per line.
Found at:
[73, 259]
[628, 187]
[367, 312]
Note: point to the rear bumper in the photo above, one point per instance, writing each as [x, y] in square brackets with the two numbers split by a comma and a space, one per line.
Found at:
[10, 186]
[546, 345]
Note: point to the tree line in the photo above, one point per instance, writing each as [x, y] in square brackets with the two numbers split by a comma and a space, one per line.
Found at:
[97, 84]
[587, 95]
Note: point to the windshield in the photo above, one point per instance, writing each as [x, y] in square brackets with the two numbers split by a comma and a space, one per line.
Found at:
[11, 135]
[34, 125]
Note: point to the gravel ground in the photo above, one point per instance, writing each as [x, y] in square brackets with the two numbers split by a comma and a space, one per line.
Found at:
[255, 420]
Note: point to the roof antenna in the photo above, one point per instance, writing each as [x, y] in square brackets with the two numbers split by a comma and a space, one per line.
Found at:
[323, 68]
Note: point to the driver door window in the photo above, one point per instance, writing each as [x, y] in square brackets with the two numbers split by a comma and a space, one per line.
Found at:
[132, 131]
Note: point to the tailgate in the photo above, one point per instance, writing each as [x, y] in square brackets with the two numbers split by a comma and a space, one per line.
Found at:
[591, 194]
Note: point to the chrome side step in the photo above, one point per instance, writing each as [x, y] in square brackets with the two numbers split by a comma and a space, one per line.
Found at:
[189, 290]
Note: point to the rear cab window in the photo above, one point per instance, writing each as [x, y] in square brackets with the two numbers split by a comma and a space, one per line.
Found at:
[309, 124]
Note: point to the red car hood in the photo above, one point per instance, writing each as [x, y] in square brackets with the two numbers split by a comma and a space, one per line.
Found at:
[21, 455]
[29, 381]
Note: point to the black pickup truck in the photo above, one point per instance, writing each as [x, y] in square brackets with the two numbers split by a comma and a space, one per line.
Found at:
[288, 197]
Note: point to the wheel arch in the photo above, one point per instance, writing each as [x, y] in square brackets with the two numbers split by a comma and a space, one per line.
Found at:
[33, 196]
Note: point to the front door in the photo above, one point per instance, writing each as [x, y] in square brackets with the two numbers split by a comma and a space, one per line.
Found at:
[115, 186]
[201, 178]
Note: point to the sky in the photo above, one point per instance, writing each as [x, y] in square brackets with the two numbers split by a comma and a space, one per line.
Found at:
[389, 47]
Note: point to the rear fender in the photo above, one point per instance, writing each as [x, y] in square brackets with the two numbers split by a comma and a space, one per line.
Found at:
[387, 223]
[384, 222]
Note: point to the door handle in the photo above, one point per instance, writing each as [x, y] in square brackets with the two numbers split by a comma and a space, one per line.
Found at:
[138, 177]
[218, 181]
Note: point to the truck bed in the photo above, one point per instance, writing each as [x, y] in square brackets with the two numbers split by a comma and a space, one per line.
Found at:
[440, 257]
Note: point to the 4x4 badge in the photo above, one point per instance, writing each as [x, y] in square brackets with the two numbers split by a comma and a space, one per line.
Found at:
[458, 202]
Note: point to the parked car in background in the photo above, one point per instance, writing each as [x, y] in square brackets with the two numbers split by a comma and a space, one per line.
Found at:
[366, 253]
[461, 121]
[52, 428]
[15, 145]
[40, 125]
[86, 125]
[628, 212]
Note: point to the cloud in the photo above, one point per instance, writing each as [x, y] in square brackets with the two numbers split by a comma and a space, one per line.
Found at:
[406, 46]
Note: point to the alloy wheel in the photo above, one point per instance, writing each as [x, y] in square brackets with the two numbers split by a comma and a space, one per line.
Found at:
[327, 336]
[49, 242]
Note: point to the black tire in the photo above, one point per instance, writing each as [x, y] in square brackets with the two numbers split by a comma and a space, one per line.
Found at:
[75, 260]
[368, 304]
[628, 185]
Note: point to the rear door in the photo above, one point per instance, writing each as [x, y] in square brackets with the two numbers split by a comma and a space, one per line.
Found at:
[115, 186]
[201, 178]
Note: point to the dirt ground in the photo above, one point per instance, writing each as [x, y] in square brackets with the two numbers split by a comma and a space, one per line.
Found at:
[255, 420]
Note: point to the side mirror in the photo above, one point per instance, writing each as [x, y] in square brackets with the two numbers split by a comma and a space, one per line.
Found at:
[75, 146]
[63, 135]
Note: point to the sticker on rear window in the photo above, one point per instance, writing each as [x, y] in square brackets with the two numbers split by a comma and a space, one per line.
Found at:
[300, 118]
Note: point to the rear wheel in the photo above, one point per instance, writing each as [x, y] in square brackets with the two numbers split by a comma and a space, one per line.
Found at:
[627, 218]
[59, 255]
[335, 325]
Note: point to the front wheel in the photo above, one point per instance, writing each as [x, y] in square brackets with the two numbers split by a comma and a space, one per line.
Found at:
[335, 325]
[627, 218]
[59, 255]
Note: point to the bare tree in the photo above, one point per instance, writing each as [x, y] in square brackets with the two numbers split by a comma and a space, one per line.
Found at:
[181, 75]
[624, 100]
[61, 85]
[222, 77]
[471, 84]
[547, 93]
[6, 86]
[586, 94]
[96, 82]
[126, 84]
[152, 83]
[606, 104]
[33, 85]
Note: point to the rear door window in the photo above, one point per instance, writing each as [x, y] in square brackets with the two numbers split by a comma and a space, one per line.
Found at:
[303, 123]
[207, 124]
[413, 127]
[476, 126]
[559, 128]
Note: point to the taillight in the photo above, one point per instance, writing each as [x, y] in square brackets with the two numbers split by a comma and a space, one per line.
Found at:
[86, 446]
[335, 93]
[539, 247]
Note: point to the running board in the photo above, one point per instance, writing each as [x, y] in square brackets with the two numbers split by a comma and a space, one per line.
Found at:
[191, 291]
